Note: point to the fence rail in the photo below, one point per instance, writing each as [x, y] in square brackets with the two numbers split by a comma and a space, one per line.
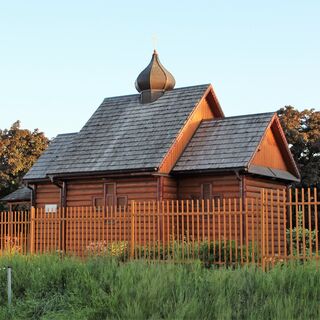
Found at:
[276, 226]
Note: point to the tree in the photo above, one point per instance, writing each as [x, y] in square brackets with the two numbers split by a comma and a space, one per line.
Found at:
[19, 149]
[302, 130]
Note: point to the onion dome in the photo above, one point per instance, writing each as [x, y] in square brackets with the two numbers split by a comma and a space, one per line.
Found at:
[154, 80]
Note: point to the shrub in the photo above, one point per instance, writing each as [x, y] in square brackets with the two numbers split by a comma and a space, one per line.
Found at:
[208, 252]
[300, 233]
[11, 246]
[119, 249]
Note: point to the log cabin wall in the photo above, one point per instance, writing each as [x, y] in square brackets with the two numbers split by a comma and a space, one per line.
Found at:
[198, 186]
[274, 214]
[111, 191]
[85, 193]
[47, 193]
[97, 192]
[254, 185]
[169, 188]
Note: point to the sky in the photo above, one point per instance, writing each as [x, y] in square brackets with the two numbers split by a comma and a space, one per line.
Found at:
[60, 59]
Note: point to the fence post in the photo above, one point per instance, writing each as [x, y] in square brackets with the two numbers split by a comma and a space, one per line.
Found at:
[262, 230]
[32, 229]
[132, 229]
[9, 285]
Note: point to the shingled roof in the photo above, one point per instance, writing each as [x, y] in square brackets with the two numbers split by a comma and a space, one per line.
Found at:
[21, 194]
[122, 135]
[56, 148]
[221, 144]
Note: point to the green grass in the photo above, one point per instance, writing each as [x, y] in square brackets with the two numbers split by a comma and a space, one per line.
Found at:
[46, 287]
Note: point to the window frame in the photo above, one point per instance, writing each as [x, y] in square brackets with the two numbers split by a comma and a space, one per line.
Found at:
[106, 195]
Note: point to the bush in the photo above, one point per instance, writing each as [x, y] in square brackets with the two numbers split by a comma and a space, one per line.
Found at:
[209, 253]
[300, 234]
[119, 250]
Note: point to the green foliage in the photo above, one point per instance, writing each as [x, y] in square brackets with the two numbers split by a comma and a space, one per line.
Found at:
[47, 287]
[19, 149]
[210, 253]
[117, 249]
[301, 235]
[302, 130]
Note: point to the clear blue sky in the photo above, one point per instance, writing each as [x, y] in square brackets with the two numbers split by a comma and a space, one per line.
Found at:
[59, 59]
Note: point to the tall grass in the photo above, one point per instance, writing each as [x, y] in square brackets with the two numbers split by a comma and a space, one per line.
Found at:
[47, 287]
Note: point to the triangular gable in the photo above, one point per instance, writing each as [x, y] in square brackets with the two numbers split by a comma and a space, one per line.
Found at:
[273, 151]
[207, 108]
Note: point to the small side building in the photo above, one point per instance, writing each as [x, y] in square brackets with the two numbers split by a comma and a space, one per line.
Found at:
[19, 199]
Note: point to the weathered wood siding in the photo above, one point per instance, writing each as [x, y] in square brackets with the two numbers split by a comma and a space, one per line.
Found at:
[274, 212]
[254, 185]
[269, 153]
[47, 193]
[82, 192]
[169, 188]
[227, 186]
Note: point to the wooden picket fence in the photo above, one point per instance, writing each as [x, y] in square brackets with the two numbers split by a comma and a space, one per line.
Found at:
[275, 227]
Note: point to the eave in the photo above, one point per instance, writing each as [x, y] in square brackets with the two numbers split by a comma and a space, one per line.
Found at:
[96, 175]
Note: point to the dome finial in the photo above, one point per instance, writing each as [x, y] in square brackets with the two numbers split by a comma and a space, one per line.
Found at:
[154, 80]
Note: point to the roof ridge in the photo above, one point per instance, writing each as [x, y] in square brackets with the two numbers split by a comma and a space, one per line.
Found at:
[241, 116]
[66, 134]
[137, 94]
[194, 86]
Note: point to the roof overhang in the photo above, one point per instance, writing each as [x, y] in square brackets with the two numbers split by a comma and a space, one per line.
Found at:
[272, 173]
[94, 174]
[208, 171]
[18, 196]
[256, 170]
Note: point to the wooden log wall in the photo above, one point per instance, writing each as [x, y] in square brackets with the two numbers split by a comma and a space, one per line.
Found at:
[223, 186]
[169, 188]
[82, 193]
[275, 219]
[47, 193]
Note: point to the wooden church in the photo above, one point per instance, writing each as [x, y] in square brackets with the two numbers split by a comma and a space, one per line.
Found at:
[162, 143]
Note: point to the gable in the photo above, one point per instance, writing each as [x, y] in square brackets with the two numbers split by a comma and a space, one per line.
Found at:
[269, 154]
[273, 157]
[208, 108]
